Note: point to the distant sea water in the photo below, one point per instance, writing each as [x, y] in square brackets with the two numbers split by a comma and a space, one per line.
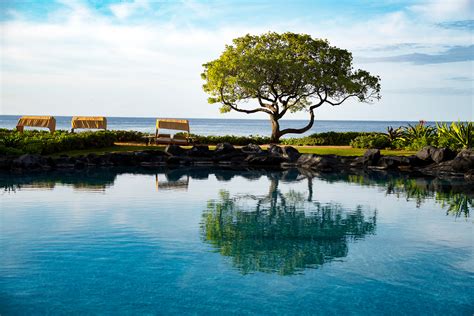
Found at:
[241, 127]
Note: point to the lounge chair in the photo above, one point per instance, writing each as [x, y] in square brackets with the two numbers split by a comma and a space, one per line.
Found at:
[95, 122]
[36, 121]
[171, 124]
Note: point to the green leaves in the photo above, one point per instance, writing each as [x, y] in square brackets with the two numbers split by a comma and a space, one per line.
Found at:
[280, 72]
[458, 134]
[40, 142]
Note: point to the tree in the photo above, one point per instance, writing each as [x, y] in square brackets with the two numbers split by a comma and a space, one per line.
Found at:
[278, 73]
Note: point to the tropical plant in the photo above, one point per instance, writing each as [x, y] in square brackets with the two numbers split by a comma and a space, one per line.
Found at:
[457, 135]
[283, 73]
[415, 137]
[393, 133]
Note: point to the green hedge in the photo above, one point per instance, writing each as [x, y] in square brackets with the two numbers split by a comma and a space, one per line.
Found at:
[41, 142]
[378, 141]
[234, 140]
[327, 138]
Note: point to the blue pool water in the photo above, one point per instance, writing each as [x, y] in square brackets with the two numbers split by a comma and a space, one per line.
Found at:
[200, 241]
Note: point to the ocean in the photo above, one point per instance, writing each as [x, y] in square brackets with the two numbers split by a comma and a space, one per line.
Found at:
[241, 127]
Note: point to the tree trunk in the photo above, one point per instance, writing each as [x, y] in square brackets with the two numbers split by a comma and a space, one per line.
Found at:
[275, 138]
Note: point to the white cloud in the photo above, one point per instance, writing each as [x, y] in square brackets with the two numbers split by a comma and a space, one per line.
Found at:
[443, 10]
[80, 61]
[126, 9]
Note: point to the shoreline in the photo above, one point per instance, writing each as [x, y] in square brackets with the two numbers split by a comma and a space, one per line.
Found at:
[429, 162]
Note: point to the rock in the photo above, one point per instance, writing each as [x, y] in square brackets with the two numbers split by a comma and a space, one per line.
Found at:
[464, 161]
[224, 148]
[425, 153]
[264, 160]
[291, 153]
[441, 154]
[179, 160]
[371, 157]
[175, 150]
[30, 161]
[123, 159]
[199, 151]
[469, 176]
[93, 159]
[142, 156]
[79, 164]
[5, 162]
[414, 161]
[393, 162]
[275, 150]
[321, 163]
[252, 149]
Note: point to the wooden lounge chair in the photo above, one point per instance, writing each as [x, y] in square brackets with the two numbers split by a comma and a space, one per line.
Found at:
[36, 121]
[171, 124]
[95, 122]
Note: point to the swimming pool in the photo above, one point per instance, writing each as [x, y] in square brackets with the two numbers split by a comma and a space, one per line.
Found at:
[215, 241]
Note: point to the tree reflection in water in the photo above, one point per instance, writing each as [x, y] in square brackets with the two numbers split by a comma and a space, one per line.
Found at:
[456, 199]
[281, 233]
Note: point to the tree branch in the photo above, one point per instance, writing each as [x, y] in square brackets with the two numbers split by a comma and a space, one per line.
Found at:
[344, 99]
[235, 108]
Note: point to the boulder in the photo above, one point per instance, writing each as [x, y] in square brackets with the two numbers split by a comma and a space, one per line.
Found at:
[199, 151]
[371, 157]
[5, 162]
[414, 161]
[252, 149]
[464, 161]
[441, 154]
[80, 164]
[30, 161]
[123, 159]
[393, 162]
[469, 176]
[291, 153]
[425, 153]
[264, 160]
[175, 150]
[224, 148]
[275, 150]
[322, 163]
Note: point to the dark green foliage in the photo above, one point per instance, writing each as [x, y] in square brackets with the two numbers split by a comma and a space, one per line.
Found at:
[457, 135]
[415, 137]
[234, 140]
[41, 142]
[327, 138]
[378, 141]
[277, 74]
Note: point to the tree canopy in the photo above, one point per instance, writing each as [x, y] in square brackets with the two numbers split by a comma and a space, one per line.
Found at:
[279, 73]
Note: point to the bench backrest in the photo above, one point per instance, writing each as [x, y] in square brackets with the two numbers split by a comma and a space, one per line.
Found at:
[36, 121]
[181, 125]
[98, 122]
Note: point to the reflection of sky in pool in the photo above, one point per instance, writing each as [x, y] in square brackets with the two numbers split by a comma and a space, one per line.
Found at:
[228, 242]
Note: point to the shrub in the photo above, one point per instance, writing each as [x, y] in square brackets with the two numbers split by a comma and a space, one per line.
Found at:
[235, 140]
[326, 138]
[39, 142]
[376, 141]
[456, 136]
[415, 137]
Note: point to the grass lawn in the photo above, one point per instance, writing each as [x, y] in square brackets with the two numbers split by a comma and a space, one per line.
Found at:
[320, 150]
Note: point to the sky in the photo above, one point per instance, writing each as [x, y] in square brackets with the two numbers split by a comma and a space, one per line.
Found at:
[144, 57]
